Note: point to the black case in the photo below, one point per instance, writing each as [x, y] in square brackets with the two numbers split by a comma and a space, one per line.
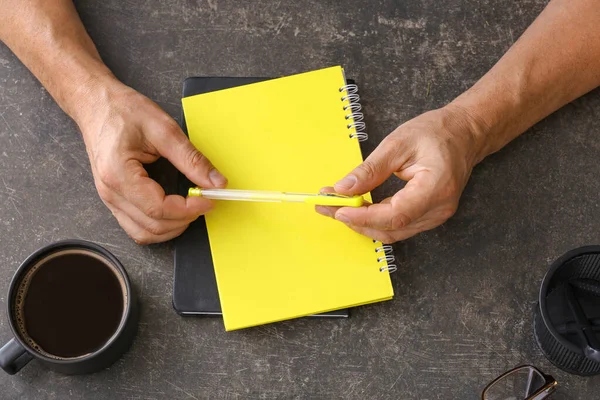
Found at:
[195, 286]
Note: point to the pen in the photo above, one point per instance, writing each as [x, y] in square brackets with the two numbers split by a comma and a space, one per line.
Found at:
[322, 199]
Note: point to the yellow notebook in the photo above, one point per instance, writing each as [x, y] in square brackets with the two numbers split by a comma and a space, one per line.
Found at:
[277, 261]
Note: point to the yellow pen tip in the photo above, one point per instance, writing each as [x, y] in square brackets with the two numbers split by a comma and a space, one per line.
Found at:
[195, 192]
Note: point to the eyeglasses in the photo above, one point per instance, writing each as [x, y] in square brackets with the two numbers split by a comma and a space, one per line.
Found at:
[522, 383]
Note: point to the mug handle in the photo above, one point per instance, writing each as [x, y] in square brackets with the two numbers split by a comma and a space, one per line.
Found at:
[13, 357]
[584, 327]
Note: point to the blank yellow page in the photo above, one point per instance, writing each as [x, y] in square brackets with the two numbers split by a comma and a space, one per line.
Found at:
[276, 261]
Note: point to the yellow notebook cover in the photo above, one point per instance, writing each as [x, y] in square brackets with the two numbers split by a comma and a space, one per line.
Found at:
[277, 261]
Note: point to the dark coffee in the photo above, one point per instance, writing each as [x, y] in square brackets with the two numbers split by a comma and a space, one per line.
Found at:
[70, 304]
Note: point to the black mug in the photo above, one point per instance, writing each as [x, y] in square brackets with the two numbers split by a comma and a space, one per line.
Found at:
[567, 315]
[72, 307]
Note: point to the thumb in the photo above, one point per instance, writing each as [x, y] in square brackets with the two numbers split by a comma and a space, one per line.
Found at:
[372, 172]
[177, 148]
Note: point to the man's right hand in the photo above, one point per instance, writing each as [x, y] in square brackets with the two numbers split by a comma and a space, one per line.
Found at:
[434, 153]
[125, 130]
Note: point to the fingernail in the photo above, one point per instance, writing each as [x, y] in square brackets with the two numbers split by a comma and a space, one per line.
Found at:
[346, 183]
[342, 218]
[323, 211]
[216, 178]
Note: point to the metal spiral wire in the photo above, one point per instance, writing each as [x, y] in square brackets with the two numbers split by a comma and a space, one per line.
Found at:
[388, 257]
[355, 118]
[351, 95]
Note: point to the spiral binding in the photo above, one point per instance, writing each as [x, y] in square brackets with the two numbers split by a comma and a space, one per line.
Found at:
[351, 95]
[388, 257]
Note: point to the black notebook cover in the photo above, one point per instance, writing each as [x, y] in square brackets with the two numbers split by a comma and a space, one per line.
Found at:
[195, 286]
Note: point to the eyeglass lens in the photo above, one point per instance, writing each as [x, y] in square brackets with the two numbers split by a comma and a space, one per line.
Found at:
[517, 385]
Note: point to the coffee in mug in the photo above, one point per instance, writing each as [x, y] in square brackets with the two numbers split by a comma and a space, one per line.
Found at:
[71, 305]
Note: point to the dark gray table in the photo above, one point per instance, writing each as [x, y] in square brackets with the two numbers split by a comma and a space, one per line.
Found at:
[464, 292]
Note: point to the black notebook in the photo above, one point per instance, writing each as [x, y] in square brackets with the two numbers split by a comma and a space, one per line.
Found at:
[195, 285]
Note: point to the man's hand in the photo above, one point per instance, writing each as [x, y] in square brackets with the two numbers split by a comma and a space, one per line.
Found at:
[122, 129]
[126, 130]
[434, 153]
[555, 61]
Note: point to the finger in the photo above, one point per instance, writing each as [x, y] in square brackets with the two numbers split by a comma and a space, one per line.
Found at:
[406, 206]
[330, 189]
[382, 162]
[329, 211]
[184, 208]
[386, 237]
[136, 187]
[155, 227]
[139, 234]
[327, 189]
[176, 147]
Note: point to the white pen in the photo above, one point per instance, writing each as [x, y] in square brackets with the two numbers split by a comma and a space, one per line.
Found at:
[323, 199]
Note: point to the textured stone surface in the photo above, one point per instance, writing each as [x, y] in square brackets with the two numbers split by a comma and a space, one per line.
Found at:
[464, 292]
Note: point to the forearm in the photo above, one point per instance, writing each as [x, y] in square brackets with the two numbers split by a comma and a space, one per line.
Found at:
[49, 38]
[555, 61]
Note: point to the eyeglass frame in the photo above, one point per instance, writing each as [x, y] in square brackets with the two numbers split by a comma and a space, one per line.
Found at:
[549, 385]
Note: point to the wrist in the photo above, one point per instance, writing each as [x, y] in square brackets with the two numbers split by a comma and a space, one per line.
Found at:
[495, 111]
[484, 133]
[92, 98]
[470, 130]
